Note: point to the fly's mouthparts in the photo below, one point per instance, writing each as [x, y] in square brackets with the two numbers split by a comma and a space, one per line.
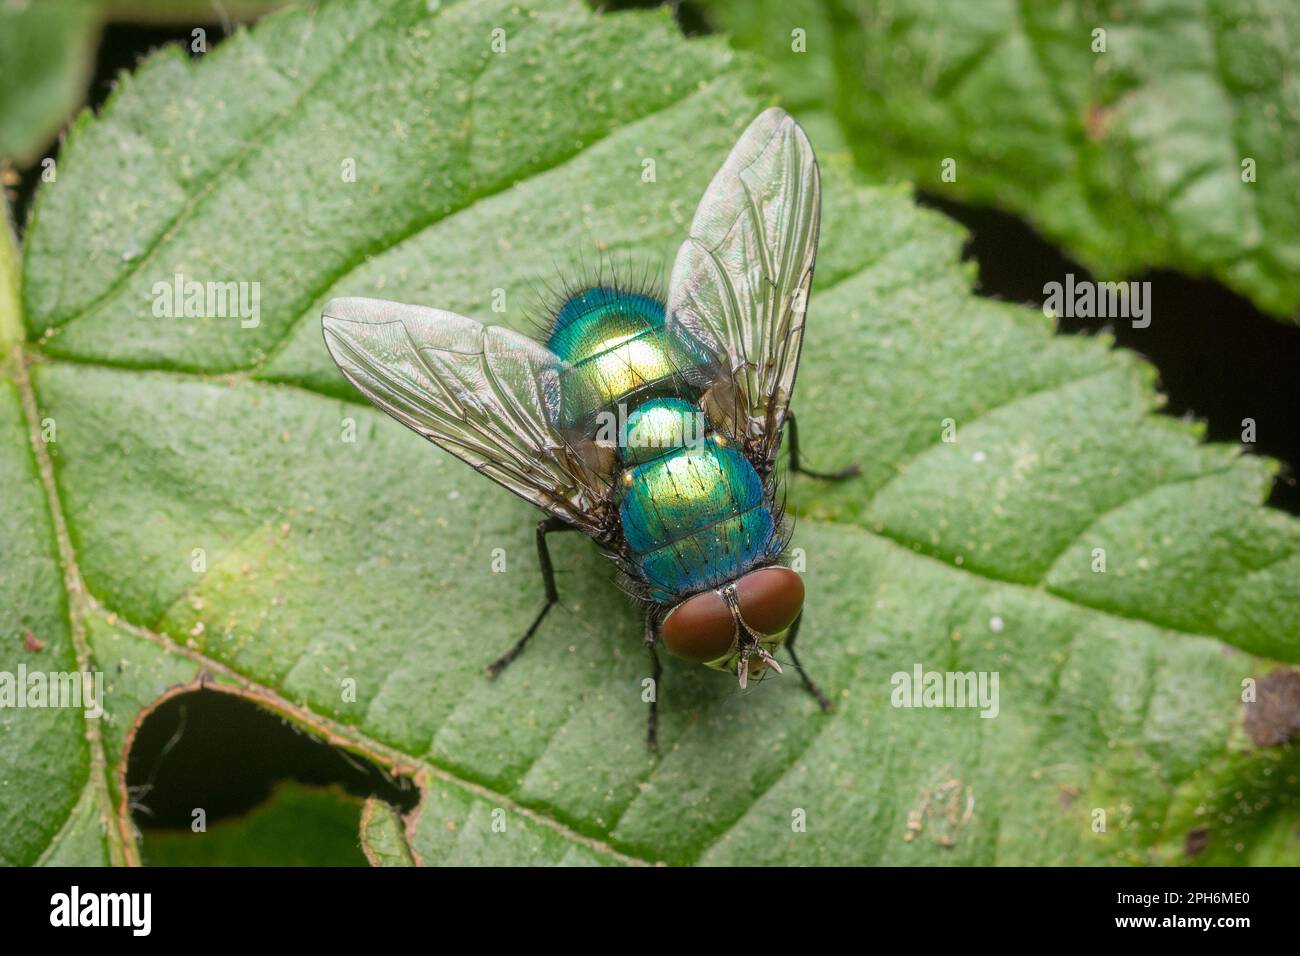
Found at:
[747, 639]
[769, 660]
[750, 647]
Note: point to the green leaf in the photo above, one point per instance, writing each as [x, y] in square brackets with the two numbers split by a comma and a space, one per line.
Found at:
[298, 825]
[46, 55]
[231, 515]
[1131, 158]
[383, 836]
[187, 12]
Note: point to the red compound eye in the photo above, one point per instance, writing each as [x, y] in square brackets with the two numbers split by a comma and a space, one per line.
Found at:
[701, 628]
[770, 599]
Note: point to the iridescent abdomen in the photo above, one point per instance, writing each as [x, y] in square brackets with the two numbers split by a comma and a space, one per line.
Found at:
[694, 518]
[693, 509]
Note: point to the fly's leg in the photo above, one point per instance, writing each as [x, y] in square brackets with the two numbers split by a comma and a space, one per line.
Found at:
[813, 689]
[797, 467]
[652, 720]
[544, 527]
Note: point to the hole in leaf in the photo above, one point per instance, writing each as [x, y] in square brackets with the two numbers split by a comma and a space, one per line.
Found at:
[265, 791]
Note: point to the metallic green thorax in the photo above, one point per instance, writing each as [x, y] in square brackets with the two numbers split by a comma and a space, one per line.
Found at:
[693, 509]
[619, 353]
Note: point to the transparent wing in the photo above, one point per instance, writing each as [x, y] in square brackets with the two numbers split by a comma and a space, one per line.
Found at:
[739, 286]
[486, 394]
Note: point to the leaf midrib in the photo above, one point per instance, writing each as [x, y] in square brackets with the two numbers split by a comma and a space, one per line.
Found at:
[119, 849]
[912, 546]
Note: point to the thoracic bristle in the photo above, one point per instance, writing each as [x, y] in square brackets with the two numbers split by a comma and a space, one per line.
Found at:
[588, 321]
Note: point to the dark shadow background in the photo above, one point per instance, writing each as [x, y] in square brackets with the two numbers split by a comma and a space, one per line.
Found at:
[1219, 359]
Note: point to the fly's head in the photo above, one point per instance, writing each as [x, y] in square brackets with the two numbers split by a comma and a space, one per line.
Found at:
[738, 626]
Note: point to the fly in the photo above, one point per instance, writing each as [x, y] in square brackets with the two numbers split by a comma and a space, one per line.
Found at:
[652, 427]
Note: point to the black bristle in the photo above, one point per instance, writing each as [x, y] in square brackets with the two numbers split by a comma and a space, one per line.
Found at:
[551, 294]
